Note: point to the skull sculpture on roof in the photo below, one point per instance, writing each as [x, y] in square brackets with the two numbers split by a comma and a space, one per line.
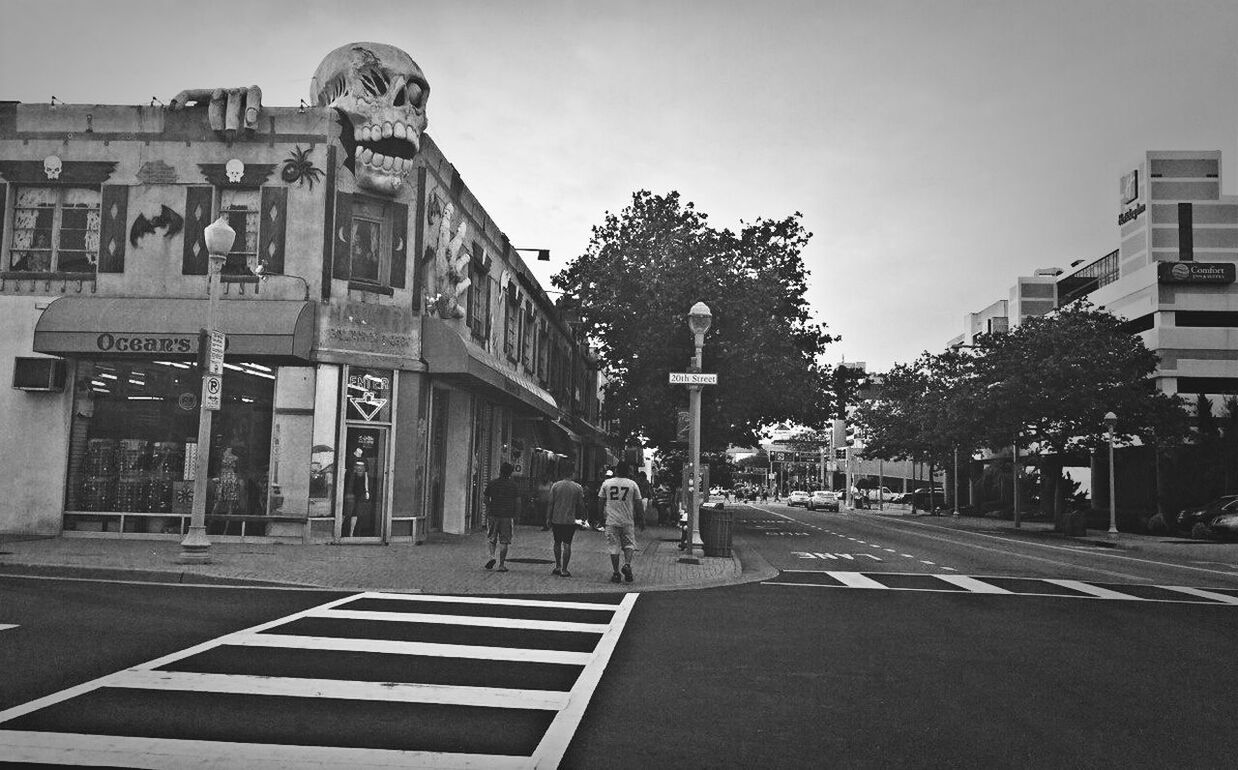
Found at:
[381, 95]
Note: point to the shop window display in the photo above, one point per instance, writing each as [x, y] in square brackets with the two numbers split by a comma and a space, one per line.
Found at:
[133, 450]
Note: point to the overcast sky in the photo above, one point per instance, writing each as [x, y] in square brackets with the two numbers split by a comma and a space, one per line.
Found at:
[937, 150]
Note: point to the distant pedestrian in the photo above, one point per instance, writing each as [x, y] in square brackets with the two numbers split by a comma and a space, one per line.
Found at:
[642, 481]
[566, 507]
[501, 495]
[622, 502]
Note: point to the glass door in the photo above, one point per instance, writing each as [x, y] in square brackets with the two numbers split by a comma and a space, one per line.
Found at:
[363, 482]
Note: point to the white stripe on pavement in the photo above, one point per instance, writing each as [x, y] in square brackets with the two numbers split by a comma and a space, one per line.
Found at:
[601, 607]
[971, 584]
[1216, 597]
[855, 580]
[1091, 590]
[7, 626]
[341, 644]
[463, 620]
[126, 751]
[295, 687]
[549, 752]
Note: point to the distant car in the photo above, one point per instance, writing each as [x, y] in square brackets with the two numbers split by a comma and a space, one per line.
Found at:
[798, 497]
[921, 498]
[1197, 520]
[876, 494]
[823, 499]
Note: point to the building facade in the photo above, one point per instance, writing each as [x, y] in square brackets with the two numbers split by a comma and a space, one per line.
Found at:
[384, 338]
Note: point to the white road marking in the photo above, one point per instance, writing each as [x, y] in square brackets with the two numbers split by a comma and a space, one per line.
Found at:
[412, 648]
[69, 748]
[1214, 596]
[973, 585]
[1088, 588]
[463, 620]
[855, 580]
[294, 687]
[161, 753]
[7, 626]
[931, 564]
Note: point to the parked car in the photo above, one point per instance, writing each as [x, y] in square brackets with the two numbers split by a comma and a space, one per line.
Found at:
[1224, 527]
[876, 494]
[798, 497]
[823, 499]
[921, 498]
[1196, 521]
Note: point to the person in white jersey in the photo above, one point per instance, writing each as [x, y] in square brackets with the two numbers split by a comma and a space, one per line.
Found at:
[622, 504]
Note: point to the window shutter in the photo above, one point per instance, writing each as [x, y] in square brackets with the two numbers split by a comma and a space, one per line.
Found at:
[198, 209]
[113, 212]
[399, 244]
[341, 265]
[4, 212]
[272, 228]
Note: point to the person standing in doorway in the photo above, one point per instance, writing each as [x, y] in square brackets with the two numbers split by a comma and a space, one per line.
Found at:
[357, 494]
[501, 495]
[567, 504]
[642, 481]
[622, 504]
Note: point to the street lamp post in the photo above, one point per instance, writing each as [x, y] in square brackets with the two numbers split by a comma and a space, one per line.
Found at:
[196, 547]
[1111, 420]
[699, 321]
[955, 491]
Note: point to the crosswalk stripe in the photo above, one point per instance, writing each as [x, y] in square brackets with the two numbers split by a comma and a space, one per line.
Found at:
[118, 750]
[855, 580]
[1088, 588]
[463, 620]
[402, 692]
[7, 626]
[413, 648]
[973, 585]
[491, 600]
[1214, 596]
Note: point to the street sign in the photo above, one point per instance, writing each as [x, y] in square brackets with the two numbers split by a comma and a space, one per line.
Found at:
[219, 341]
[212, 389]
[693, 378]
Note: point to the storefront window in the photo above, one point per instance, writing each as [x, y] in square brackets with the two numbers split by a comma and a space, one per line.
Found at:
[322, 454]
[133, 451]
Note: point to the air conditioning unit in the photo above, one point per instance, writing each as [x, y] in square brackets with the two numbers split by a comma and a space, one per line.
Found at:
[38, 374]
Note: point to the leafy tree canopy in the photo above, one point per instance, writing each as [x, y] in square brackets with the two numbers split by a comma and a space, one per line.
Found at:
[646, 266]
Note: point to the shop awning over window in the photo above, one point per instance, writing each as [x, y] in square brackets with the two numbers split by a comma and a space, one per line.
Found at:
[449, 356]
[154, 326]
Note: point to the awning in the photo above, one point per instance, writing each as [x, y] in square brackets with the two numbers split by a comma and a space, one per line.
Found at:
[154, 326]
[449, 356]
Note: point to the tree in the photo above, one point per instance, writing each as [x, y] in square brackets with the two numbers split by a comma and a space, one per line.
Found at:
[642, 271]
[1050, 381]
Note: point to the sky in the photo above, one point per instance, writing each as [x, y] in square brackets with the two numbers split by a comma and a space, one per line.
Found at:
[936, 150]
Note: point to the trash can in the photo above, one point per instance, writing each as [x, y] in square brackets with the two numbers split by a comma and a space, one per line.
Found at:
[716, 531]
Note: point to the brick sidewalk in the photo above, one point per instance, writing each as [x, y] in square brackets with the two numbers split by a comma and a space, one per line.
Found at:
[444, 564]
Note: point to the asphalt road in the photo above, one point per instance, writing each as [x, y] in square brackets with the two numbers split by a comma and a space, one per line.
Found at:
[801, 670]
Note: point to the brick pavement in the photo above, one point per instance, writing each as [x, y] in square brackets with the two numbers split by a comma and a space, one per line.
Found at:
[443, 564]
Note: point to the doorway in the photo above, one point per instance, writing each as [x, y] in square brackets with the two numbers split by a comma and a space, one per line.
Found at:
[363, 467]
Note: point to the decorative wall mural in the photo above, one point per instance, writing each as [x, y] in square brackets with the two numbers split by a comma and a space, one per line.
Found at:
[166, 218]
[228, 109]
[300, 168]
[87, 173]
[251, 174]
[51, 167]
[380, 94]
[446, 246]
[156, 172]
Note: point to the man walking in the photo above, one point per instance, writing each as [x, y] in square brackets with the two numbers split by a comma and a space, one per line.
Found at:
[622, 503]
[501, 494]
[567, 504]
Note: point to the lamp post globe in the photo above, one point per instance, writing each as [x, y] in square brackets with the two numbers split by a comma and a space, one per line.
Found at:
[219, 237]
[700, 319]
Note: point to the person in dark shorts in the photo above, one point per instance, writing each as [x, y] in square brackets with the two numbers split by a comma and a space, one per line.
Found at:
[501, 494]
[567, 505]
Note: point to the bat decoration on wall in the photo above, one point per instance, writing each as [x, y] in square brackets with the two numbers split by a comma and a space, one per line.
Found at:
[166, 218]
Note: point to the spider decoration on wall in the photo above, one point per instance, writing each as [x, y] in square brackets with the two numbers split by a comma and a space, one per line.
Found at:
[299, 168]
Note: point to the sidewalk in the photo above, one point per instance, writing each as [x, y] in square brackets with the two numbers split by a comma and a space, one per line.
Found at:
[443, 564]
